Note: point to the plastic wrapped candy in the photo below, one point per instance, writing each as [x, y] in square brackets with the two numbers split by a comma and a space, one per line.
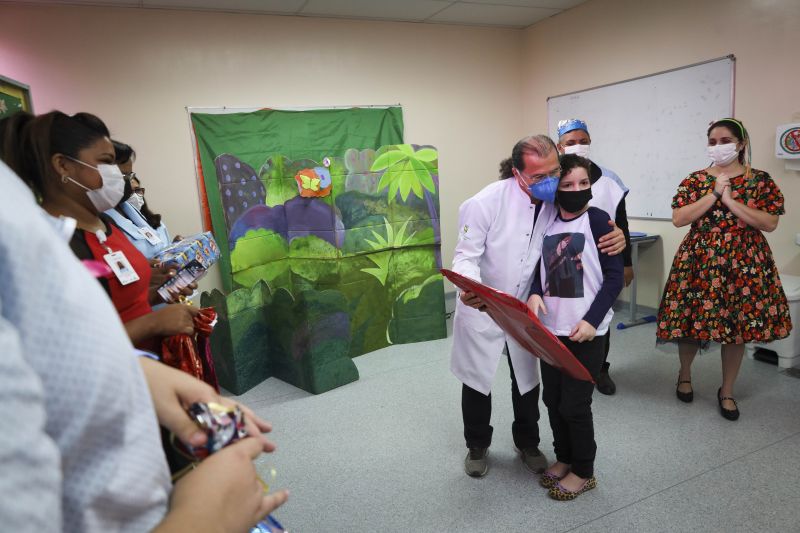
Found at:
[222, 425]
[192, 353]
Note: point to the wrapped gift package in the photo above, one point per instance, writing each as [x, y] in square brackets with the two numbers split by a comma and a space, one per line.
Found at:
[191, 258]
[201, 248]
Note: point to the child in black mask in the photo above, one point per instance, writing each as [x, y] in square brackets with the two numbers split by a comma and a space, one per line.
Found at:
[574, 290]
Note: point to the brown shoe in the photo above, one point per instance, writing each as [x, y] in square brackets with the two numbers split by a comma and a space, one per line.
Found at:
[475, 464]
[533, 459]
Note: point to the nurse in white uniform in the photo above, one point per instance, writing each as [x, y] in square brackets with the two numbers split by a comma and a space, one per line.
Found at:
[499, 245]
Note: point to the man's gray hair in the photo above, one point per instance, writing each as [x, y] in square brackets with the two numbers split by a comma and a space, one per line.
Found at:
[538, 145]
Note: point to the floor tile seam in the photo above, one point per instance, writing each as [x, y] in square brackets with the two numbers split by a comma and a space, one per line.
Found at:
[272, 398]
[391, 370]
[700, 474]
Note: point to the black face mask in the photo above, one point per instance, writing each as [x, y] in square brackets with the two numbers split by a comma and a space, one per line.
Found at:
[574, 201]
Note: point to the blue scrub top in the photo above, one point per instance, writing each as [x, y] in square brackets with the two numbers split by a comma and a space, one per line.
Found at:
[130, 227]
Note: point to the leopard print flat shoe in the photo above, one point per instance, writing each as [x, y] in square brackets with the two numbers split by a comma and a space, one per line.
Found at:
[549, 480]
[561, 494]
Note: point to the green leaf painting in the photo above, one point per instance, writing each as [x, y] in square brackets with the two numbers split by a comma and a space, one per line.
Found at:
[405, 171]
[381, 261]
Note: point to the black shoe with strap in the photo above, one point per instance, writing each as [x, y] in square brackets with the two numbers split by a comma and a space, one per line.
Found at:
[730, 414]
[684, 396]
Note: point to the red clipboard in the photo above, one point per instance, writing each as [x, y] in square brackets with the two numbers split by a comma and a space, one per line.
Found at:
[516, 319]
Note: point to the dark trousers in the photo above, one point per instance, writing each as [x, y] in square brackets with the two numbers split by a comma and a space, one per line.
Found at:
[569, 406]
[476, 409]
[607, 344]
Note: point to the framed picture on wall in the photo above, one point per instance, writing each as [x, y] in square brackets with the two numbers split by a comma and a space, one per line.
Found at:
[14, 96]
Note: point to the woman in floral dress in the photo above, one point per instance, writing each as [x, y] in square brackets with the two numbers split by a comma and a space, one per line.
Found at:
[723, 285]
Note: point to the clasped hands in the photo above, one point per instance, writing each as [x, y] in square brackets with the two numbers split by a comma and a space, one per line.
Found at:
[723, 187]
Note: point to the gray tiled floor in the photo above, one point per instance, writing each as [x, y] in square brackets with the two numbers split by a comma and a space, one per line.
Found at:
[386, 453]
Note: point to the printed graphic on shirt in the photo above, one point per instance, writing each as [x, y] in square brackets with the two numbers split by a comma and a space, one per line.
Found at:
[561, 254]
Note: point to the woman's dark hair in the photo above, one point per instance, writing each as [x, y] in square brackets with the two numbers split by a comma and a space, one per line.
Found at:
[569, 162]
[11, 138]
[123, 152]
[127, 192]
[538, 145]
[152, 218]
[736, 128]
[32, 145]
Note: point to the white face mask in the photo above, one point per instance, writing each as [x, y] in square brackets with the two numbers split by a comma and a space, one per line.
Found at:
[581, 150]
[110, 193]
[136, 201]
[723, 154]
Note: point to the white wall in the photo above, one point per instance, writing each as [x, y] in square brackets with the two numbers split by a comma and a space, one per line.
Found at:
[137, 69]
[603, 41]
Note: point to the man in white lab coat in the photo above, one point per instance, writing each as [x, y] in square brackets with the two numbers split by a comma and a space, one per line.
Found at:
[500, 243]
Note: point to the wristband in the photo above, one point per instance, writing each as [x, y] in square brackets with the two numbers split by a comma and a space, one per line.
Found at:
[718, 195]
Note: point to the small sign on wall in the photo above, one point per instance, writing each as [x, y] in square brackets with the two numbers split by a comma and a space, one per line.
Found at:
[787, 144]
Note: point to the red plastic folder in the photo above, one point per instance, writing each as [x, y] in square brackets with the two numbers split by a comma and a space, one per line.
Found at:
[516, 319]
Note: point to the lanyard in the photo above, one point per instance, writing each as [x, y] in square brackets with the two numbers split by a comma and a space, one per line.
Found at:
[101, 238]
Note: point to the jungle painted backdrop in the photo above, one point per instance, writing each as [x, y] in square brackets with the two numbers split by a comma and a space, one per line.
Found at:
[322, 206]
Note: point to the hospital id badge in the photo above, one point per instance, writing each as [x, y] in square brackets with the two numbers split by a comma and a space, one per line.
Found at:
[121, 267]
[151, 236]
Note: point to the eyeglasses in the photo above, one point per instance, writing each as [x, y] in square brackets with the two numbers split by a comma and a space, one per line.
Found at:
[538, 177]
[129, 176]
[139, 191]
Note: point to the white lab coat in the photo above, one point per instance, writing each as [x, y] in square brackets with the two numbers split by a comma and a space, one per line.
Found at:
[498, 246]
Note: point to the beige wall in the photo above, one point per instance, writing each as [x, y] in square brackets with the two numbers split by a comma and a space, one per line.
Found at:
[603, 41]
[138, 69]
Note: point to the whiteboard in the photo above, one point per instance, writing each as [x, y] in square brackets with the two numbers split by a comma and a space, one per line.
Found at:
[651, 130]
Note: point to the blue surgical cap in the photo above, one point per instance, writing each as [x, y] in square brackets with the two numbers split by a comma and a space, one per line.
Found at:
[566, 126]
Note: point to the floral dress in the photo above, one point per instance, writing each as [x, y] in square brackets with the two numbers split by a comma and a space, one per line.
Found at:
[723, 285]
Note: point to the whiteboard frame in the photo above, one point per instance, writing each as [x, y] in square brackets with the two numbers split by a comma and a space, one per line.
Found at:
[730, 57]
